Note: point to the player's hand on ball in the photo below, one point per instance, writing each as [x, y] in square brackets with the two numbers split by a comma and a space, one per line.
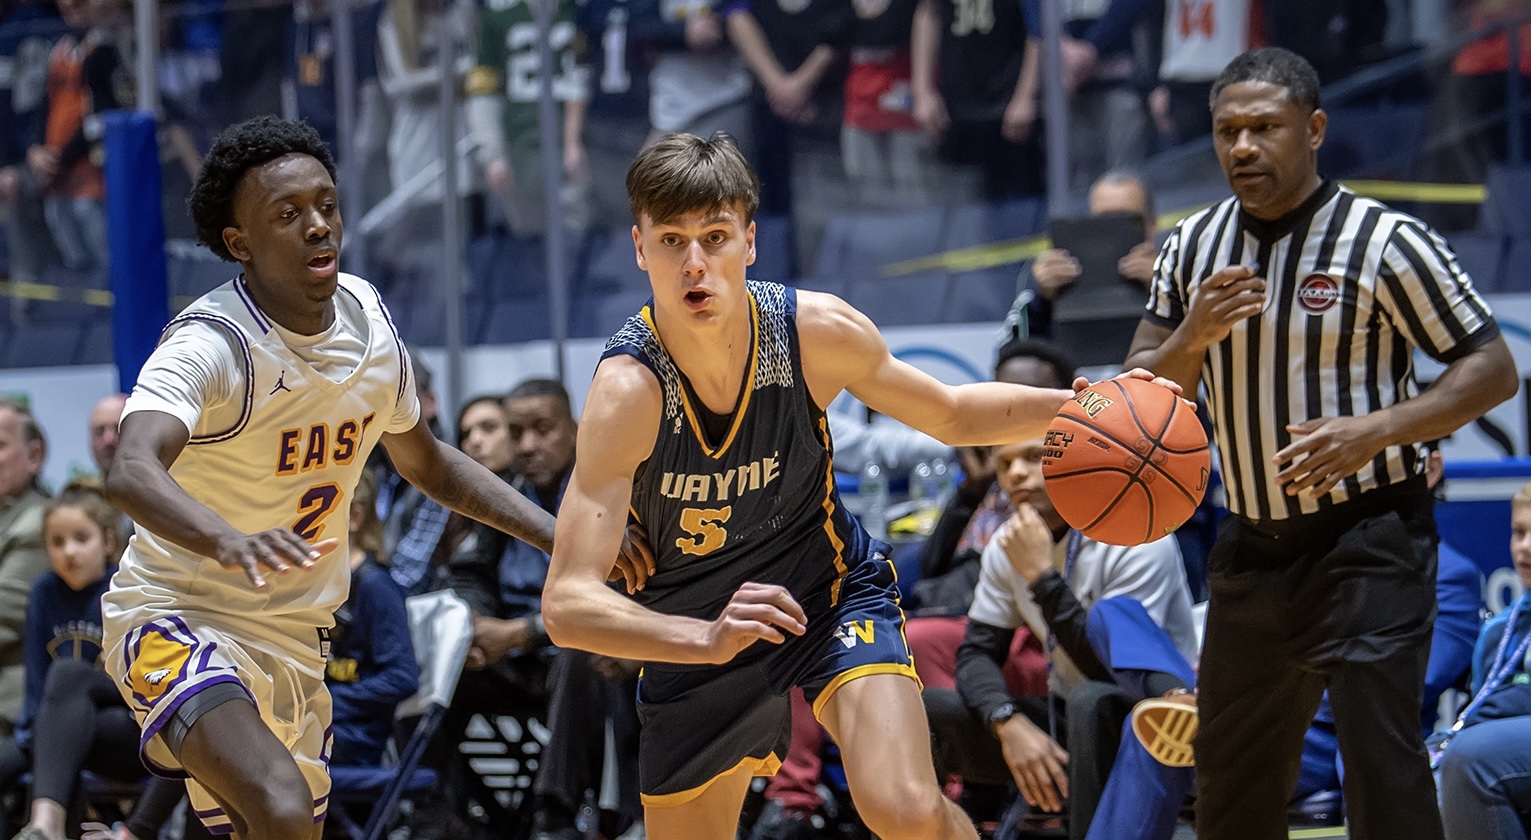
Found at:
[757, 611]
[1027, 542]
[1326, 451]
[1036, 762]
[1080, 383]
[277, 550]
[635, 563]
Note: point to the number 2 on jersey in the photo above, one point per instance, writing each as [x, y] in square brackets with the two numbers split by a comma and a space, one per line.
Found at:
[705, 525]
[317, 503]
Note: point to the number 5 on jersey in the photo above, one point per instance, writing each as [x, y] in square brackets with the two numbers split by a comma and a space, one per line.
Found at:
[705, 526]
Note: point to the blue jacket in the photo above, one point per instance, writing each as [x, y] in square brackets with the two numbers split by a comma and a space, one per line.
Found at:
[372, 666]
[1512, 698]
[61, 624]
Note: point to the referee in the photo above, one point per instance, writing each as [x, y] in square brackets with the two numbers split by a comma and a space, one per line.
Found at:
[1299, 305]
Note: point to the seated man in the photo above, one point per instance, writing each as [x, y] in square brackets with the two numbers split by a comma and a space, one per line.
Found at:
[1117, 623]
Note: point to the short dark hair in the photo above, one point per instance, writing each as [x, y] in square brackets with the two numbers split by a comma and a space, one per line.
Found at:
[1043, 351]
[543, 388]
[1275, 66]
[683, 173]
[237, 150]
[422, 371]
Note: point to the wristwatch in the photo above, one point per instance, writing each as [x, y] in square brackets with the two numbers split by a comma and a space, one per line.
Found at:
[1002, 713]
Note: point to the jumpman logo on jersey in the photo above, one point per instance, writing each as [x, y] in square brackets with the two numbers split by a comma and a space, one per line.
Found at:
[280, 384]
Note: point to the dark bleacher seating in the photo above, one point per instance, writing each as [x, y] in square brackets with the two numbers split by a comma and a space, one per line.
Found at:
[856, 248]
[44, 345]
[1506, 208]
[773, 249]
[95, 346]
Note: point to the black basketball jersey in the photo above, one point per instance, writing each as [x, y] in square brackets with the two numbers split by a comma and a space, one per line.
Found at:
[760, 503]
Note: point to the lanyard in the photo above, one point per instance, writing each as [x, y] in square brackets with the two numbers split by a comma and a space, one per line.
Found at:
[1502, 666]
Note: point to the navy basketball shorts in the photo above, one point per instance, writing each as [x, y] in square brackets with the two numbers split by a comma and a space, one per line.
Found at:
[702, 722]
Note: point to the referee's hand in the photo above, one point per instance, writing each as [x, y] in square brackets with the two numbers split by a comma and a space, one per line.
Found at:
[1222, 300]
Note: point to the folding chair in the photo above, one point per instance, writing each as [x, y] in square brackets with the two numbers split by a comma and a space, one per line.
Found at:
[441, 627]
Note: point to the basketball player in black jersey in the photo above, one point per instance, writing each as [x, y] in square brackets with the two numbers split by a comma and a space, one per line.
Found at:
[705, 423]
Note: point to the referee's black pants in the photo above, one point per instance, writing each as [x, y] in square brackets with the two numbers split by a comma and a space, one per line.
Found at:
[1343, 599]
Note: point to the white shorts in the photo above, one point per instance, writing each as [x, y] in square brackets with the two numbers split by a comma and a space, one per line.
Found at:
[161, 659]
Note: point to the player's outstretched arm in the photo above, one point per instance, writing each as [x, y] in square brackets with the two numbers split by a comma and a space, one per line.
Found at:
[616, 434]
[459, 483]
[842, 350]
[139, 484]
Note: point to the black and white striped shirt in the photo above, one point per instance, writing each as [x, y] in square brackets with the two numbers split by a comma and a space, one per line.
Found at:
[1352, 287]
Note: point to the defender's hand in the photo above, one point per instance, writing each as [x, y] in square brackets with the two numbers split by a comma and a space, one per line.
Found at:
[635, 564]
[757, 611]
[277, 550]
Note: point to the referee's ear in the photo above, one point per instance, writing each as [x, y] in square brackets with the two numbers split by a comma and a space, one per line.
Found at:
[1318, 122]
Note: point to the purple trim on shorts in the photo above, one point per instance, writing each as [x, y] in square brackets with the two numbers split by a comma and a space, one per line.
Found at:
[219, 830]
[329, 746]
[211, 812]
[163, 717]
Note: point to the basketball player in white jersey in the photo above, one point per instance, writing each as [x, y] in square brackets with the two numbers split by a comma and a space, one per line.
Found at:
[240, 447]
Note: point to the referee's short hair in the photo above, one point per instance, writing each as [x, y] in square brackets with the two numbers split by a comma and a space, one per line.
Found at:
[1275, 66]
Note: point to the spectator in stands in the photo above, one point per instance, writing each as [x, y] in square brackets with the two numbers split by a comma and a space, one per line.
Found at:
[87, 76]
[974, 80]
[1468, 112]
[73, 718]
[1108, 119]
[311, 71]
[592, 700]
[617, 122]
[372, 659]
[895, 447]
[22, 556]
[252, 63]
[412, 38]
[949, 559]
[1097, 605]
[887, 160]
[103, 430]
[1482, 776]
[501, 578]
[1200, 38]
[28, 30]
[1052, 272]
[503, 91]
[797, 53]
[699, 84]
[412, 522]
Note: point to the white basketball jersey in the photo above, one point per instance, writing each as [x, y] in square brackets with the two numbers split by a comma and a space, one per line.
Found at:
[291, 460]
[1202, 36]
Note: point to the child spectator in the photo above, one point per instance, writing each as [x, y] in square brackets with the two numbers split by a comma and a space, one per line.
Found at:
[72, 717]
[1484, 764]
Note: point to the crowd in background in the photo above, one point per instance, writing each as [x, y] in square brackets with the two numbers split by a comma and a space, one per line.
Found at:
[842, 105]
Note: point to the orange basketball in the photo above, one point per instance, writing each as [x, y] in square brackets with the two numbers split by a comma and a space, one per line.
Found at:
[1126, 462]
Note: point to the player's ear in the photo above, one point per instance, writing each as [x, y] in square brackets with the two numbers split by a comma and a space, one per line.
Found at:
[234, 240]
[749, 243]
[643, 261]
